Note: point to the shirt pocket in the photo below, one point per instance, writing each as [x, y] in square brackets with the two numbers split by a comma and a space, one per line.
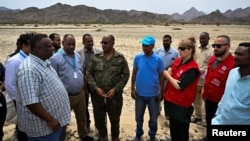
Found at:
[242, 95]
[116, 67]
[99, 67]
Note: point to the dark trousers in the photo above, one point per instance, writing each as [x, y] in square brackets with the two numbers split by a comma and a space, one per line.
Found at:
[210, 108]
[179, 131]
[112, 107]
[3, 113]
[87, 106]
[20, 135]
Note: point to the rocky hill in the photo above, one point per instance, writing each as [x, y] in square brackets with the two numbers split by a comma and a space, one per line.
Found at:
[63, 13]
[214, 17]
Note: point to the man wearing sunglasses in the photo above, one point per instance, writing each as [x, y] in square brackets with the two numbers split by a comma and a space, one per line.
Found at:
[234, 107]
[219, 66]
[107, 75]
[204, 52]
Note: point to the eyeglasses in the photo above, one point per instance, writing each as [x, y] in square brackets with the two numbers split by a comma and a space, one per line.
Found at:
[182, 48]
[103, 42]
[218, 45]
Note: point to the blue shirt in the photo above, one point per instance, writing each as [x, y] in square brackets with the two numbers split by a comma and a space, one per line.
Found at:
[147, 79]
[167, 57]
[69, 69]
[11, 67]
[234, 107]
[38, 82]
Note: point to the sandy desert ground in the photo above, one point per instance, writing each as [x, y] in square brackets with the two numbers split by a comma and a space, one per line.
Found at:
[127, 42]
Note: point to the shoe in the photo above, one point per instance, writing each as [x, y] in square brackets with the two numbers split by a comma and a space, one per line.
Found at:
[103, 139]
[194, 120]
[137, 138]
[152, 139]
[87, 138]
[115, 139]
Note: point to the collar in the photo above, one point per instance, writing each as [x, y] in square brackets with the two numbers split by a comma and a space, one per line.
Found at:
[189, 60]
[206, 47]
[45, 63]
[86, 50]
[115, 54]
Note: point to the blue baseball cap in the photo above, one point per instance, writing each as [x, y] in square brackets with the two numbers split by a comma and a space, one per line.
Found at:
[148, 40]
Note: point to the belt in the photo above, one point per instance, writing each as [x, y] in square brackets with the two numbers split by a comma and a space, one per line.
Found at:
[74, 94]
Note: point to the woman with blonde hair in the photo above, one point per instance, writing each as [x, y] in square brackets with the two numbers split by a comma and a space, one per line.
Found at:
[181, 90]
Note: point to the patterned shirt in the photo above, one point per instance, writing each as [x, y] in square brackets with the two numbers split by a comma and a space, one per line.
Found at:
[108, 74]
[38, 82]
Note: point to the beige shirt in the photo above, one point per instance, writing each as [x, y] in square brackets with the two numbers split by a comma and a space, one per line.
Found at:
[202, 57]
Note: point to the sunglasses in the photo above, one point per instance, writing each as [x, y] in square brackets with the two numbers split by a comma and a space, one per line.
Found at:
[103, 42]
[218, 45]
[182, 48]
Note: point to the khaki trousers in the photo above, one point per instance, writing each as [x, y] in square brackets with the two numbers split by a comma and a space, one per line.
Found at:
[198, 104]
[77, 104]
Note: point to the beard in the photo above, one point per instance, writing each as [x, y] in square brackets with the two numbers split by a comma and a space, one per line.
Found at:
[57, 47]
[221, 53]
[166, 46]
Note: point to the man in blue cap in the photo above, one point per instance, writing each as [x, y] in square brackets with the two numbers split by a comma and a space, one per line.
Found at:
[147, 79]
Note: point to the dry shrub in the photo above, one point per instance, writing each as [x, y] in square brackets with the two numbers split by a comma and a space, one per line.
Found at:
[176, 28]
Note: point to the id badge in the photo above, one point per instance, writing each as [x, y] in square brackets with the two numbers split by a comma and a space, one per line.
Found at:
[75, 75]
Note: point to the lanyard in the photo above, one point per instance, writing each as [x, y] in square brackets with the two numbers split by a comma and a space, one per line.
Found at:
[22, 54]
[73, 64]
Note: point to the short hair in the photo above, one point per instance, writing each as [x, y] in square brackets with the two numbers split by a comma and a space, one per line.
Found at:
[206, 34]
[228, 40]
[112, 38]
[52, 36]
[246, 44]
[66, 35]
[36, 39]
[84, 35]
[169, 36]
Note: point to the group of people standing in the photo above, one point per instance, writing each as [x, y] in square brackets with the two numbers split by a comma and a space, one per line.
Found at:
[195, 75]
[47, 81]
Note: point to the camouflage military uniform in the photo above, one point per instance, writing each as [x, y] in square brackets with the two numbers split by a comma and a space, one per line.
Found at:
[108, 74]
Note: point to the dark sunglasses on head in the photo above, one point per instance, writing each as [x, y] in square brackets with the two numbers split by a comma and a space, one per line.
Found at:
[218, 45]
[103, 42]
[182, 48]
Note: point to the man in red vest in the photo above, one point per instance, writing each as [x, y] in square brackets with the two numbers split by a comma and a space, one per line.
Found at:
[219, 66]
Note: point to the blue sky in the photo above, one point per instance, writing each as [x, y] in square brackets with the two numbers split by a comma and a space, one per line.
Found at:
[155, 6]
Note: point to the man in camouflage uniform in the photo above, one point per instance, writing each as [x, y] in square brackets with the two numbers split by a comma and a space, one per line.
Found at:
[107, 75]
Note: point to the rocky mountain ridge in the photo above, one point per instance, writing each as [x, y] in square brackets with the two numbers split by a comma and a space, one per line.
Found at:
[63, 13]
